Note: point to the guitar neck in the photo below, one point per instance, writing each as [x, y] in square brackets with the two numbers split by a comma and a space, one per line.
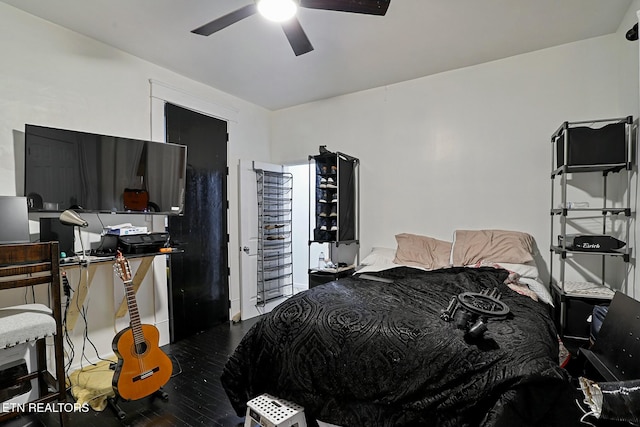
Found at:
[134, 315]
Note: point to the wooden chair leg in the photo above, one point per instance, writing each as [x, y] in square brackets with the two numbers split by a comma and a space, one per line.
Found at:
[41, 366]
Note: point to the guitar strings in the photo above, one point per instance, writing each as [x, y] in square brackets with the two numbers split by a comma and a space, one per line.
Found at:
[137, 315]
[140, 347]
[131, 305]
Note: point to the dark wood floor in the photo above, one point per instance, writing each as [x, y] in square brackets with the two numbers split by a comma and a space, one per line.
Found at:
[196, 397]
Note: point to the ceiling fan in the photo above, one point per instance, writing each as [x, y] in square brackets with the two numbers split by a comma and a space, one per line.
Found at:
[284, 11]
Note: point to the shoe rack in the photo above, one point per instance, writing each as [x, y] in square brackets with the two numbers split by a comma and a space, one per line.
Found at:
[275, 259]
[334, 215]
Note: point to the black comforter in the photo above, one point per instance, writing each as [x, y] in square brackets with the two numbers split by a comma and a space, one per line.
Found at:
[358, 352]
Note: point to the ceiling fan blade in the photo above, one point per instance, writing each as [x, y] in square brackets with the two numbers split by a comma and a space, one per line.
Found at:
[297, 37]
[226, 20]
[369, 7]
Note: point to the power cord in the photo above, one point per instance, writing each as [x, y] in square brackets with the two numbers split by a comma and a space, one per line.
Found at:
[65, 285]
[68, 292]
[26, 294]
[86, 339]
[71, 354]
[177, 363]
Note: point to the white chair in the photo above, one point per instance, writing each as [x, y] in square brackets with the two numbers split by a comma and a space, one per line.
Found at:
[24, 328]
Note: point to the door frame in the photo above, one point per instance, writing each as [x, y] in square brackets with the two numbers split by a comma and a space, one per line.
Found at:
[160, 94]
[248, 227]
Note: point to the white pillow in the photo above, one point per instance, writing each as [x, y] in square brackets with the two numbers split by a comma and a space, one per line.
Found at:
[529, 276]
[539, 288]
[379, 259]
[378, 254]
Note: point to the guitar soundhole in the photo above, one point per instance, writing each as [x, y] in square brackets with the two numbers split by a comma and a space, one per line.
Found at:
[140, 349]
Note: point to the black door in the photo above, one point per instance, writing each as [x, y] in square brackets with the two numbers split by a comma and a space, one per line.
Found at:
[199, 282]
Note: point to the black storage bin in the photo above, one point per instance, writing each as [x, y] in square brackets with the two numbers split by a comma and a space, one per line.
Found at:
[577, 310]
[605, 146]
[341, 168]
[597, 317]
[347, 179]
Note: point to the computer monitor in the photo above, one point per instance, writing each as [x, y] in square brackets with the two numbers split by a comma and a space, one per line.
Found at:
[14, 223]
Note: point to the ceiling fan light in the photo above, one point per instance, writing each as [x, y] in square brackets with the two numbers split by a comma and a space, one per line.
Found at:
[277, 10]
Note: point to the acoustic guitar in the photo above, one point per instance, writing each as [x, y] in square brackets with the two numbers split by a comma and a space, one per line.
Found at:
[142, 368]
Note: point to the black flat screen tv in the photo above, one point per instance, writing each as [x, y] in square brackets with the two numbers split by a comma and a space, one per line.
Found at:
[67, 169]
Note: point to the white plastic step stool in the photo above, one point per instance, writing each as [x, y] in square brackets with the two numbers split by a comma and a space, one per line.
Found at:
[10, 359]
[268, 411]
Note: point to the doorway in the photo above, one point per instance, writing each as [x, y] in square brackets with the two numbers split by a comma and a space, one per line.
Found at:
[248, 216]
[301, 219]
[199, 276]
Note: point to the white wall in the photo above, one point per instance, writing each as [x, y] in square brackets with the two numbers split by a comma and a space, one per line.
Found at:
[628, 61]
[300, 221]
[54, 77]
[468, 148]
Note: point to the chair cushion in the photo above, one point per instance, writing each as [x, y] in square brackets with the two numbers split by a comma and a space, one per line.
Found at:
[23, 323]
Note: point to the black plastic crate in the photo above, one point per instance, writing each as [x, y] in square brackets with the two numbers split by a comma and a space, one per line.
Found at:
[576, 310]
[604, 146]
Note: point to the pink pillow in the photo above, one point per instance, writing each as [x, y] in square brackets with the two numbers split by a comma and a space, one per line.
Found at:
[422, 251]
[472, 246]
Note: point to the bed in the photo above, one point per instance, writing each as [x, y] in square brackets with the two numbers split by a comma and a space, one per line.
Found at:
[365, 352]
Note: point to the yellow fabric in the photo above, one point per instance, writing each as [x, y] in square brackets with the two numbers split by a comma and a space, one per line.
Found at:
[92, 385]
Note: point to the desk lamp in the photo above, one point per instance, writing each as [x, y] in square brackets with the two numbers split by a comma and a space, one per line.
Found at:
[71, 217]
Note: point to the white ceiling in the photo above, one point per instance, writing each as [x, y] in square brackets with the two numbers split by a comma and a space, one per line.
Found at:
[253, 60]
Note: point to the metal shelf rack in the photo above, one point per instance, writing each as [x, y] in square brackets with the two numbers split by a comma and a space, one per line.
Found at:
[576, 149]
[334, 207]
[275, 257]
